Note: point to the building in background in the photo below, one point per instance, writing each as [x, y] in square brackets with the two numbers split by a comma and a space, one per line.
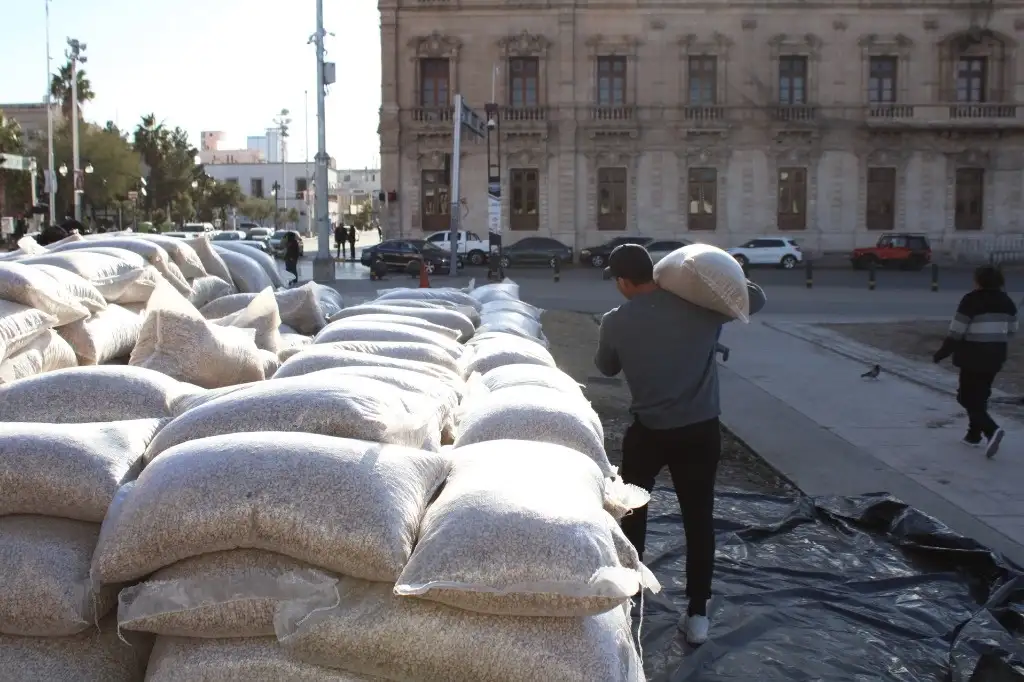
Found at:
[269, 145]
[32, 118]
[356, 186]
[719, 125]
[210, 140]
[296, 188]
[211, 151]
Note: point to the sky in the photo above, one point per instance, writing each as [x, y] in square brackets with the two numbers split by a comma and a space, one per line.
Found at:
[228, 65]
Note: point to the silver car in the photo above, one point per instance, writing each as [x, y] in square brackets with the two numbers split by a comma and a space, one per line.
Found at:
[662, 247]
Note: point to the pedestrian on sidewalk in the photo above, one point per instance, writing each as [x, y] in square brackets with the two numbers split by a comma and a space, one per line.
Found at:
[978, 338]
[339, 238]
[665, 347]
[291, 256]
[352, 242]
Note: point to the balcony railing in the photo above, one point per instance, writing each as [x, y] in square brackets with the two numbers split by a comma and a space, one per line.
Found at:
[795, 113]
[612, 114]
[888, 111]
[523, 114]
[703, 113]
[982, 111]
[433, 114]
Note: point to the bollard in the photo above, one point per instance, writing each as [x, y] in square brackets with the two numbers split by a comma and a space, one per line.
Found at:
[809, 269]
[935, 276]
[872, 266]
[556, 267]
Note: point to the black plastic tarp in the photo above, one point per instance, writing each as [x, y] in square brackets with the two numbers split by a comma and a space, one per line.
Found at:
[834, 589]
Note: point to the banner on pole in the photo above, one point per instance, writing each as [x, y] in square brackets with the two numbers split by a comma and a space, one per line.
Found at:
[494, 207]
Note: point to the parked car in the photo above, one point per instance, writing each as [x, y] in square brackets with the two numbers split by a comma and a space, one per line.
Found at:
[535, 251]
[781, 252]
[198, 227]
[597, 256]
[228, 236]
[276, 243]
[406, 254]
[902, 250]
[662, 247]
[470, 246]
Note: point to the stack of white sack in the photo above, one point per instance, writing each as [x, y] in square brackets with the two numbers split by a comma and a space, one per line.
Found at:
[401, 330]
[247, 274]
[183, 255]
[211, 260]
[209, 288]
[489, 350]
[453, 319]
[92, 394]
[514, 577]
[58, 482]
[706, 276]
[175, 339]
[305, 309]
[265, 261]
[222, 529]
[152, 253]
[119, 275]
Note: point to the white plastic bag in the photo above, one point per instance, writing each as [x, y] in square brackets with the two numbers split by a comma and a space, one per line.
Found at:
[560, 554]
[348, 506]
[177, 341]
[706, 276]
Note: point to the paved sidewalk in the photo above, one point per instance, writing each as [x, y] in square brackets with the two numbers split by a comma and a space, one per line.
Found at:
[807, 411]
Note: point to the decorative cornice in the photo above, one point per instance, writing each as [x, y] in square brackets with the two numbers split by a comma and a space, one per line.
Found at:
[718, 43]
[973, 157]
[436, 45]
[612, 46]
[874, 41]
[782, 42]
[524, 44]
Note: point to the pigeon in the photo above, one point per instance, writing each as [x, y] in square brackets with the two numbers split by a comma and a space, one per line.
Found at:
[872, 373]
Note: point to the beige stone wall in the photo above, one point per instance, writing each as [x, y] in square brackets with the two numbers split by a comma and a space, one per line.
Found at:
[658, 143]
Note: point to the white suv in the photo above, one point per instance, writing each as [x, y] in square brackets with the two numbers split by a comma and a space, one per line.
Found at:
[470, 245]
[782, 252]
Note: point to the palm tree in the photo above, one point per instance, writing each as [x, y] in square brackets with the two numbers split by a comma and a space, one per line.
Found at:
[60, 89]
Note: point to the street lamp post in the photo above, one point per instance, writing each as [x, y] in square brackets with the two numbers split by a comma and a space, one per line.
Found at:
[51, 172]
[75, 57]
[494, 270]
[63, 170]
[323, 266]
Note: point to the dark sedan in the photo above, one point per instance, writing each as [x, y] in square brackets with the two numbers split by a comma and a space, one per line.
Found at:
[406, 254]
[535, 251]
[597, 256]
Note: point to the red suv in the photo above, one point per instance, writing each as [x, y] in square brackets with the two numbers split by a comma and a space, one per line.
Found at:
[905, 251]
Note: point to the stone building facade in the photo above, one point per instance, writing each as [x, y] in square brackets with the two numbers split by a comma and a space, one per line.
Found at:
[830, 121]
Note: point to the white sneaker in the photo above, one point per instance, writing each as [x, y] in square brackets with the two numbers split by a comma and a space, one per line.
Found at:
[695, 628]
[993, 443]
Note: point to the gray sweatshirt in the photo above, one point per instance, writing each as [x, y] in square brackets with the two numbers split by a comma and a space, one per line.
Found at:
[665, 347]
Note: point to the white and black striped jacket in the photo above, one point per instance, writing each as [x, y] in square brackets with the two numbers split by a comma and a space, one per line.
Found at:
[980, 331]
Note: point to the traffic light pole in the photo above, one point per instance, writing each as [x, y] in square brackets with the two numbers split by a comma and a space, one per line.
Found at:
[464, 116]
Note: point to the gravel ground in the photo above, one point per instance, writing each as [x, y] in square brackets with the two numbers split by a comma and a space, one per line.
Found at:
[918, 340]
[573, 338]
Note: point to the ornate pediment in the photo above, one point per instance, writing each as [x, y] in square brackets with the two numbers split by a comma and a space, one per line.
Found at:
[612, 46]
[784, 43]
[437, 45]
[704, 155]
[524, 44]
[977, 158]
[876, 42]
[717, 44]
[887, 157]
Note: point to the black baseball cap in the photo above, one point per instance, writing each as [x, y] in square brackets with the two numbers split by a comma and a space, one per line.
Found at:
[631, 262]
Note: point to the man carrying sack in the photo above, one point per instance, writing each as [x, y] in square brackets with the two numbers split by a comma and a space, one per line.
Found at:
[665, 346]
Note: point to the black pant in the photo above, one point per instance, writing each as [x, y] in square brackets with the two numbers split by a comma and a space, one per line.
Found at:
[973, 393]
[338, 245]
[691, 454]
[292, 266]
[352, 249]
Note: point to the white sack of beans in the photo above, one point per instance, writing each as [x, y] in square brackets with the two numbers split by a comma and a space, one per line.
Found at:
[152, 253]
[28, 286]
[106, 335]
[209, 288]
[260, 315]
[533, 413]
[183, 255]
[347, 506]
[69, 470]
[45, 564]
[500, 349]
[560, 554]
[326, 356]
[452, 319]
[120, 276]
[706, 276]
[510, 322]
[417, 351]
[366, 629]
[247, 274]
[351, 330]
[508, 305]
[265, 261]
[76, 285]
[212, 262]
[469, 311]
[92, 394]
[19, 325]
[304, 309]
[456, 296]
[361, 408]
[392, 318]
[177, 341]
[508, 376]
[44, 353]
[506, 290]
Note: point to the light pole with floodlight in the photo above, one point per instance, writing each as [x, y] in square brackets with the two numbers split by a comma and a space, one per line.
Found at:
[63, 170]
[75, 57]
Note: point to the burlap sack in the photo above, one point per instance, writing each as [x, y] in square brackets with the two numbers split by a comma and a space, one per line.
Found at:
[706, 276]
[95, 655]
[327, 356]
[561, 554]
[151, 252]
[69, 470]
[534, 413]
[361, 408]
[400, 350]
[506, 290]
[45, 353]
[28, 286]
[501, 349]
[254, 659]
[45, 565]
[390, 318]
[183, 255]
[360, 509]
[19, 325]
[508, 376]
[209, 288]
[212, 262]
[451, 319]
[470, 311]
[456, 296]
[265, 261]
[366, 629]
[247, 274]
[353, 330]
[176, 340]
[120, 276]
[108, 334]
[262, 316]
[91, 394]
[77, 286]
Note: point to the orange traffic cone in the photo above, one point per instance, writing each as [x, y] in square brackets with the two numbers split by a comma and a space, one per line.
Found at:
[424, 279]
